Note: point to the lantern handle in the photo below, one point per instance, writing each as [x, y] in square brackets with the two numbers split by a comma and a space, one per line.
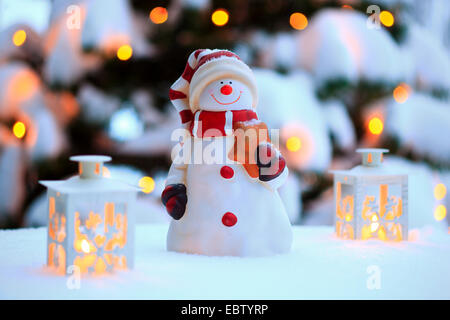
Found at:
[90, 166]
[372, 157]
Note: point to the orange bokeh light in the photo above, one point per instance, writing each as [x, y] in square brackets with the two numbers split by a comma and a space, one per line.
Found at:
[23, 85]
[298, 21]
[401, 93]
[376, 126]
[220, 17]
[159, 15]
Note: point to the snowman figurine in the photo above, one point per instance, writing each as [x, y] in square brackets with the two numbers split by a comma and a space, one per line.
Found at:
[230, 206]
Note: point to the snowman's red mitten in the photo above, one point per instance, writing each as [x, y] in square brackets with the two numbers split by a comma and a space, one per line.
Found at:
[174, 197]
[270, 162]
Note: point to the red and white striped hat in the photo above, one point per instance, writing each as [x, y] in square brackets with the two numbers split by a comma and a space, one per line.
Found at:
[203, 67]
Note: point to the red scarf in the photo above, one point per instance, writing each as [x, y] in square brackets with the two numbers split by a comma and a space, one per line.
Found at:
[218, 123]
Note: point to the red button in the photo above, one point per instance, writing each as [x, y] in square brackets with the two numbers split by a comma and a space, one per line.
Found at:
[227, 172]
[229, 219]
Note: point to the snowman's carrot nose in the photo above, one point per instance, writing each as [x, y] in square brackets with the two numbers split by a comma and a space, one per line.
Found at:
[226, 89]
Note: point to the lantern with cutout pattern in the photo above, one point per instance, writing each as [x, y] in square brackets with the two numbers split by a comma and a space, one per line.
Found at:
[91, 223]
[371, 200]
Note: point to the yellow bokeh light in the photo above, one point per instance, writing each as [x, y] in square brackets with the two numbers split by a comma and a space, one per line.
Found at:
[298, 21]
[293, 144]
[401, 93]
[147, 184]
[124, 52]
[159, 15]
[19, 37]
[440, 191]
[440, 212]
[386, 18]
[19, 129]
[220, 17]
[376, 126]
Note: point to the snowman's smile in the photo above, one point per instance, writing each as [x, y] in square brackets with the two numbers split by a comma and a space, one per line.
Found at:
[226, 103]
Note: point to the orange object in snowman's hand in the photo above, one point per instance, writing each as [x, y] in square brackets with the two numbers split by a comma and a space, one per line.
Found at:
[247, 137]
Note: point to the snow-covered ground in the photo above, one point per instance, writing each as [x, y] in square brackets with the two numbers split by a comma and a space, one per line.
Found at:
[319, 266]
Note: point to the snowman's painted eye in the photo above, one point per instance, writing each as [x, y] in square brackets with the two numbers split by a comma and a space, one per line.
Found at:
[231, 82]
[221, 82]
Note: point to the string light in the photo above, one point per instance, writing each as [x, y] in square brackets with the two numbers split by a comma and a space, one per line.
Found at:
[376, 126]
[159, 15]
[220, 17]
[401, 93]
[298, 21]
[440, 212]
[19, 129]
[19, 37]
[293, 144]
[386, 18]
[147, 184]
[124, 52]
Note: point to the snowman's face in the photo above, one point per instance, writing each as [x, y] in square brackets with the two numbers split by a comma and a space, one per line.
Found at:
[225, 94]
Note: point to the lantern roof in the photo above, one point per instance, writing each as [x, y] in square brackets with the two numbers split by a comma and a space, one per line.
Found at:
[90, 178]
[372, 164]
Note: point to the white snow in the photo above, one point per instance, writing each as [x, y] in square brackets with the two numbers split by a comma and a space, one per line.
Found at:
[66, 62]
[319, 266]
[32, 12]
[125, 124]
[421, 123]
[340, 124]
[107, 32]
[96, 106]
[431, 62]
[156, 140]
[338, 44]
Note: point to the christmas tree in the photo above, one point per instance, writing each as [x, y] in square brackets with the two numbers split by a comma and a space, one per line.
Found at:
[332, 76]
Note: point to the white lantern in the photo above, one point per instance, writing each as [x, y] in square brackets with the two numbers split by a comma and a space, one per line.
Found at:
[91, 223]
[371, 200]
